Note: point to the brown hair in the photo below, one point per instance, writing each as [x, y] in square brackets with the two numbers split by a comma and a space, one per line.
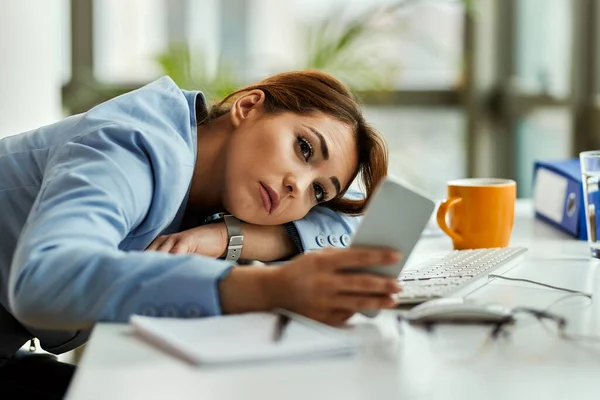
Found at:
[304, 92]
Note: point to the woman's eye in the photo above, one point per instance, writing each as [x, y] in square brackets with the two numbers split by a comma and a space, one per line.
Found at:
[320, 193]
[305, 147]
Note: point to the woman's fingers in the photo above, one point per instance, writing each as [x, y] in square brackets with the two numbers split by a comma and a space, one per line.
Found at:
[157, 243]
[337, 259]
[322, 284]
[167, 245]
[365, 284]
[358, 302]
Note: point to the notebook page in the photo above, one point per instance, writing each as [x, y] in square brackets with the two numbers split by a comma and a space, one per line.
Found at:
[244, 337]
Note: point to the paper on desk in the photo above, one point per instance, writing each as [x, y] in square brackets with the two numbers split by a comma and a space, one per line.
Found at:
[241, 338]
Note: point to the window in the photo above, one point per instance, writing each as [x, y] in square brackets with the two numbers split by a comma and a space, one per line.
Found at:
[128, 37]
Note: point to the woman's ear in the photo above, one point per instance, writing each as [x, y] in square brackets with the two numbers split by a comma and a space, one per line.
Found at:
[245, 105]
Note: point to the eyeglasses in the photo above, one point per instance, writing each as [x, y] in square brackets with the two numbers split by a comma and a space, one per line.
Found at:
[460, 342]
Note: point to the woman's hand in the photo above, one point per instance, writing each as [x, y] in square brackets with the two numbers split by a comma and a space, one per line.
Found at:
[209, 240]
[320, 285]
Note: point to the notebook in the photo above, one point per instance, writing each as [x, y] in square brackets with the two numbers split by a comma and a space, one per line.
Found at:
[242, 338]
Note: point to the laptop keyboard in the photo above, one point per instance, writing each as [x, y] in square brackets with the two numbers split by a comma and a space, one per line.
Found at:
[451, 273]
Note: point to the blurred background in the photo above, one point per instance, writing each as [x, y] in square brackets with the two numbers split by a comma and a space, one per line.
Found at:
[459, 88]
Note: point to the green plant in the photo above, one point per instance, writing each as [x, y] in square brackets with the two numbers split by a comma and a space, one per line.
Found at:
[344, 48]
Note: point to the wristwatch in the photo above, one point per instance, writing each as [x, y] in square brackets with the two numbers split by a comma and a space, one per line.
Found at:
[236, 239]
[234, 234]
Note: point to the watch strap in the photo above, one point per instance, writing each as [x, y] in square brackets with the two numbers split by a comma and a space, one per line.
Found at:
[236, 238]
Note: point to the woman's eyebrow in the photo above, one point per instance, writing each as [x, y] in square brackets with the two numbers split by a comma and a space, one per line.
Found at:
[324, 148]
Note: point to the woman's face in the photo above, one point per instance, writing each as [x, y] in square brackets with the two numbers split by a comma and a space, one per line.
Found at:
[281, 165]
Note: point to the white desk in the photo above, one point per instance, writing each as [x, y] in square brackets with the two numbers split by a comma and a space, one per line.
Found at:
[452, 362]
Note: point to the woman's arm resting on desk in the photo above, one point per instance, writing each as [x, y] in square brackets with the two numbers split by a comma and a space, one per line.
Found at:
[263, 243]
[266, 243]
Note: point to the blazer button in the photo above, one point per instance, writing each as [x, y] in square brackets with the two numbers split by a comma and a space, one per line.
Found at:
[333, 240]
[321, 241]
[148, 311]
[169, 310]
[345, 239]
[193, 311]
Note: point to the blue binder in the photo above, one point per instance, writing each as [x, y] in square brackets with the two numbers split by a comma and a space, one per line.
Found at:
[558, 195]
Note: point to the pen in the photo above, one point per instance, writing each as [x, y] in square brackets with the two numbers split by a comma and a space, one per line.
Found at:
[282, 322]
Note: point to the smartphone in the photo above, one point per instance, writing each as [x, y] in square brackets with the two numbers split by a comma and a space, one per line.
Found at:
[395, 218]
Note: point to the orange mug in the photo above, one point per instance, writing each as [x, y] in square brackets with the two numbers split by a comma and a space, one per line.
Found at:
[481, 212]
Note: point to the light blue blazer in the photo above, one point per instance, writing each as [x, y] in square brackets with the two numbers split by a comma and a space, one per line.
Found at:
[82, 198]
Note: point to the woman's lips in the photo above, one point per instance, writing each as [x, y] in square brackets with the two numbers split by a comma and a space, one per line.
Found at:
[266, 199]
[269, 197]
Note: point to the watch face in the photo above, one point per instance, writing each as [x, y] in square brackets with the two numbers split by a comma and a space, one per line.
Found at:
[218, 217]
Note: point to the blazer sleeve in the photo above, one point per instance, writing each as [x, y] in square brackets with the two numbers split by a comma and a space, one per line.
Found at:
[67, 271]
[323, 228]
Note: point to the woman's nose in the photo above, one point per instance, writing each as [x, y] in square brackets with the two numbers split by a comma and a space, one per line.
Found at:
[292, 184]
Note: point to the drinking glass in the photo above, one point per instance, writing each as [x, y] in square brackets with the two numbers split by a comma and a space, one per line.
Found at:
[590, 178]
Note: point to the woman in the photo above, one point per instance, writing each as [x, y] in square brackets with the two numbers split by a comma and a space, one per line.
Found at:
[82, 198]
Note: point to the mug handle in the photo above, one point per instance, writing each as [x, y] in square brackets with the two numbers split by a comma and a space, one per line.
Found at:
[441, 217]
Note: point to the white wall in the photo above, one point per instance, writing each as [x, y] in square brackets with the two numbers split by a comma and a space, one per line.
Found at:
[30, 64]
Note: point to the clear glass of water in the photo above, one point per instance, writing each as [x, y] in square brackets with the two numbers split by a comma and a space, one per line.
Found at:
[590, 178]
